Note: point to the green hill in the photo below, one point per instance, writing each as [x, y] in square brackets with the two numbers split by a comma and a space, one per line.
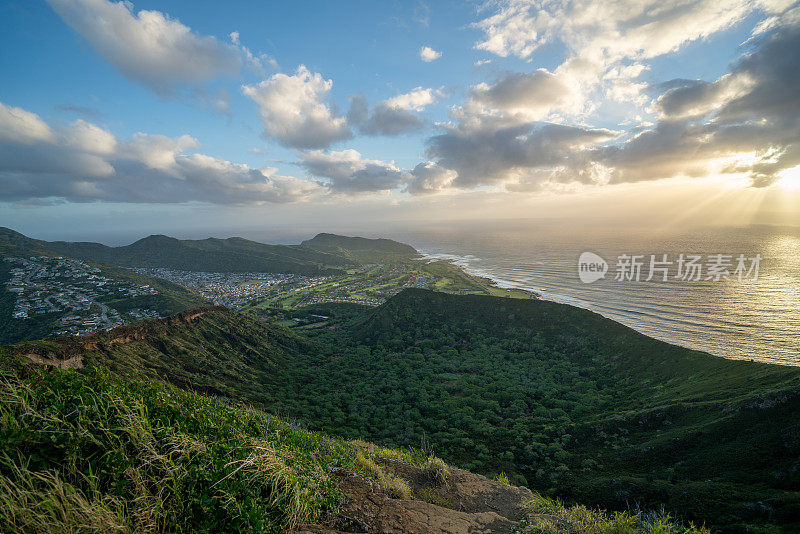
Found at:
[559, 399]
[93, 452]
[564, 401]
[234, 254]
[212, 350]
[358, 247]
[216, 255]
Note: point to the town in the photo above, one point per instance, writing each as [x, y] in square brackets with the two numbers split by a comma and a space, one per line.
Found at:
[79, 292]
[235, 290]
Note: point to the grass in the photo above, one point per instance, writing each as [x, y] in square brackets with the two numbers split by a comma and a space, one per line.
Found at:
[502, 477]
[91, 452]
[549, 516]
[436, 469]
[366, 463]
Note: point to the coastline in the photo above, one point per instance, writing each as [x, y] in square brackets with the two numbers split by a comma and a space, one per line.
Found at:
[499, 287]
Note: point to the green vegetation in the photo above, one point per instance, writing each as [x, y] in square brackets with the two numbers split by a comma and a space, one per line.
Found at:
[371, 284]
[94, 453]
[210, 350]
[216, 255]
[547, 395]
[562, 400]
[553, 517]
[358, 247]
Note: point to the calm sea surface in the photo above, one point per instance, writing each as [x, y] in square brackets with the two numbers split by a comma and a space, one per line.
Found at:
[758, 320]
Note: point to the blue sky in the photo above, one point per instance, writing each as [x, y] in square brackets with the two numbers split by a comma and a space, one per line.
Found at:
[155, 107]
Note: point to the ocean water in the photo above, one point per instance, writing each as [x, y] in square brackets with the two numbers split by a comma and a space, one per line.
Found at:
[752, 319]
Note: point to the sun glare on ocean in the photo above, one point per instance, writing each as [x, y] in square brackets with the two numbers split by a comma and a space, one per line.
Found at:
[790, 179]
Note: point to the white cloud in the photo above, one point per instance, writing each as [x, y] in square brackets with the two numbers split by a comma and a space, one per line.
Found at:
[616, 29]
[428, 54]
[149, 47]
[295, 112]
[83, 162]
[415, 100]
[497, 151]
[697, 98]
[348, 172]
[608, 43]
[158, 151]
[24, 127]
[87, 137]
[744, 123]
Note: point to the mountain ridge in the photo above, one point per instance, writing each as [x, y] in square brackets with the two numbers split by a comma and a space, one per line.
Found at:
[211, 254]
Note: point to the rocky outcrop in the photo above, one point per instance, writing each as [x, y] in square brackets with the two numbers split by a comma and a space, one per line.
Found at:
[464, 503]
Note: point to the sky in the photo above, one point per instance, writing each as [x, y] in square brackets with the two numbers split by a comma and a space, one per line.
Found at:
[121, 119]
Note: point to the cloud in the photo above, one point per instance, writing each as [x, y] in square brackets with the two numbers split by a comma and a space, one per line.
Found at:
[415, 100]
[348, 172]
[745, 122]
[533, 94]
[428, 54]
[83, 162]
[624, 29]
[294, 110]
[695, 98]
[494, 152]
[90, 138]
[86, 112]
[394, 116]
[513, 132]
[429, 177]
[608, 44]
[22, 127]
[149, 47]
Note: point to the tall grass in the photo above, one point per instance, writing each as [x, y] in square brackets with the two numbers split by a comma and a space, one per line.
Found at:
[549, 516]
[91, 452]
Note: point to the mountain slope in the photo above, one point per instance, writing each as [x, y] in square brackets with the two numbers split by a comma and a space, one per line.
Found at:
[561, 399]
[358, 247]
[216, 255]
[566, 401]
[212, 350]
[91, 452]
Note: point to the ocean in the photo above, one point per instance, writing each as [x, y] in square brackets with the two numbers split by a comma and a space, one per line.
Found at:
[752, 319]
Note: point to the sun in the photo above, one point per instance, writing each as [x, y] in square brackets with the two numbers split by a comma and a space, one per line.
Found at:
[790, 179]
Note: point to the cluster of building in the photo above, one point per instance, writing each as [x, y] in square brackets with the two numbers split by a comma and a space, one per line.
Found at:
[323, 298]
[234, 289]
[84, 325]
[420, 281]
[45, 285]
[144, 313]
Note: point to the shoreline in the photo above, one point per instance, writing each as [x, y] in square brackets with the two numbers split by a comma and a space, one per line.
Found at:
[462, 263]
